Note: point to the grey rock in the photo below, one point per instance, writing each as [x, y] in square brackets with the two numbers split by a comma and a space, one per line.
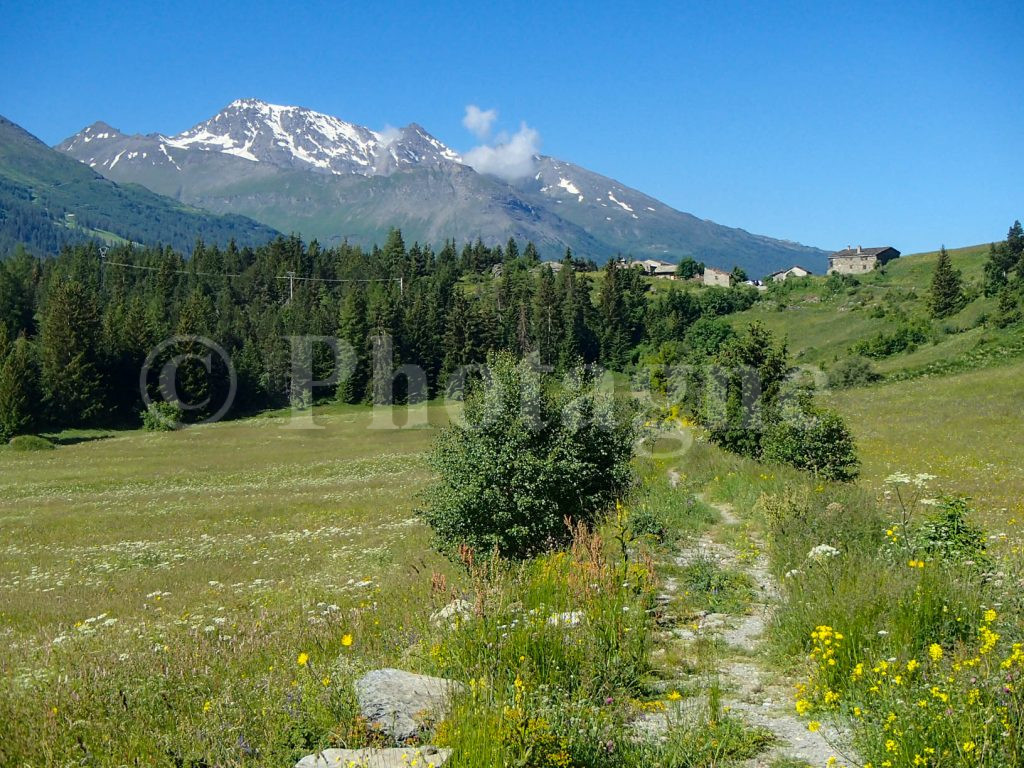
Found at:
[398, 702]
[425, 757]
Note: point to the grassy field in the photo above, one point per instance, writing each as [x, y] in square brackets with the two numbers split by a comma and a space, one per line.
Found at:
[179, 575]
[967, 429]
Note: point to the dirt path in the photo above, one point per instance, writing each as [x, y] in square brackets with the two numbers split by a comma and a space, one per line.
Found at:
[749, 687]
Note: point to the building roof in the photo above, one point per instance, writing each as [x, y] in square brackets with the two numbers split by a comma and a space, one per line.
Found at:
[790, 269]
[849, 252]
[719, 271]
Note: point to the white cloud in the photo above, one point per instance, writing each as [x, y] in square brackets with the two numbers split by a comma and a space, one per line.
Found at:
[479, 121]
[389, 134]
[510, 158]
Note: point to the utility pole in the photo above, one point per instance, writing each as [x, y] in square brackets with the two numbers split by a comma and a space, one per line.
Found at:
[103, 266]
[291, 286]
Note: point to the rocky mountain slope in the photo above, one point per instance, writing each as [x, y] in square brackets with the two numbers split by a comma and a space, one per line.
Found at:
[47, 199]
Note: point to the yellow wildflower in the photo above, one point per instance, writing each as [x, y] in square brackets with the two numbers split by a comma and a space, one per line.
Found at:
[303, 659]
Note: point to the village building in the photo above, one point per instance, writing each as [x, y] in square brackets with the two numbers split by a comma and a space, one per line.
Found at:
[554, 266]
[656, 268]
[717, 277]
[794, 271]
[857, 261]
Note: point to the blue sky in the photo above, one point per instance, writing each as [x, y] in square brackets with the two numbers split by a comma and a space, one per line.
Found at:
[831, 124]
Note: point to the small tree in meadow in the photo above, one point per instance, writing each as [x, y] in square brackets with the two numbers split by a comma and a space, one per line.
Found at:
[947, 292]
[531, 453]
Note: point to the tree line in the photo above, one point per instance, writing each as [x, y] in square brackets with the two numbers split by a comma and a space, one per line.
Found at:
[76, 330]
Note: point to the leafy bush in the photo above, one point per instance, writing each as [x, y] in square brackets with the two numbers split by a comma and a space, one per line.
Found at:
[948, 534]
[852, 372]
[161, 417]
[905, 338]
[531, 454]
[31, 443]
[812, 439]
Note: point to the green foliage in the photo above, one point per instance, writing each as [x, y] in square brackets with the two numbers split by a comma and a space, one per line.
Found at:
[450, 311]
[530, 455]
[812, 439]
[906, 337]
[71, 372]
[688, 268]
[715, 589]
[161, 417]
[29, 443]
[738, 393]
[19, 393]
[852, 372]
[946, 296]
[949, 535]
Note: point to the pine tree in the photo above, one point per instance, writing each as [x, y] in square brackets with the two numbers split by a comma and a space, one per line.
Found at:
[19, 393]
[946, 296]
[354, 331]
[71, 371]
[546, 321]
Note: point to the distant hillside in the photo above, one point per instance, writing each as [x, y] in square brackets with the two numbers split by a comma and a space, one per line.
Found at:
[48, 199]
[302, 171]
[824, 318]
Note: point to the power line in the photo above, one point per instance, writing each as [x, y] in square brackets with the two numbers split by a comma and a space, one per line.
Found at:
[290, 277]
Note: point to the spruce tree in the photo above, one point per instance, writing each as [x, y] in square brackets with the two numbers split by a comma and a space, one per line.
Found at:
[946, 296]
[71, 372]
[354, 331]
[546, 320]
[19, 393]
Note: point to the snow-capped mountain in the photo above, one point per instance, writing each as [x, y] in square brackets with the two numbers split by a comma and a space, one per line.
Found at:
[302, 171]
[286, 137]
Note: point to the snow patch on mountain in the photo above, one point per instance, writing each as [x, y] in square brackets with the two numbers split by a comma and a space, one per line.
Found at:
[619, 203]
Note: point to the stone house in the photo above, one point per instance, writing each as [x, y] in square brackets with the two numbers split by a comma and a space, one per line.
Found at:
[656, 268]
[857, 261]
[717, 277]
[794, 271]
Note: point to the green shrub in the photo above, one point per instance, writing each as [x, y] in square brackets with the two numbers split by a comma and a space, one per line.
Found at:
[31, 443]
[161, 417]
[905, 338]
[531, 454]
[852, 372]
[948, 534]
[813, 439]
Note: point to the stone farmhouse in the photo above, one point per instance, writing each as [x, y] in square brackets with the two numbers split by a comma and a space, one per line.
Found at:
[794, 271]
[717, 277]
[857, 261]
[656, 268]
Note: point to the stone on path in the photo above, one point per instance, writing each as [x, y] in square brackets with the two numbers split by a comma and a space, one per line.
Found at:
[399, 702]
[421, 757]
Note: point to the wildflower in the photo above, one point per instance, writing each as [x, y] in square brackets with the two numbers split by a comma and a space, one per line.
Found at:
[346, 640]
[303, 659]
[968, 746]
[802, 706]
[326, 681]
[990, 616]
[207, 706]
[822, 552]
[912, 665]
[674, 696]
[813, 726]
[935, 651]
